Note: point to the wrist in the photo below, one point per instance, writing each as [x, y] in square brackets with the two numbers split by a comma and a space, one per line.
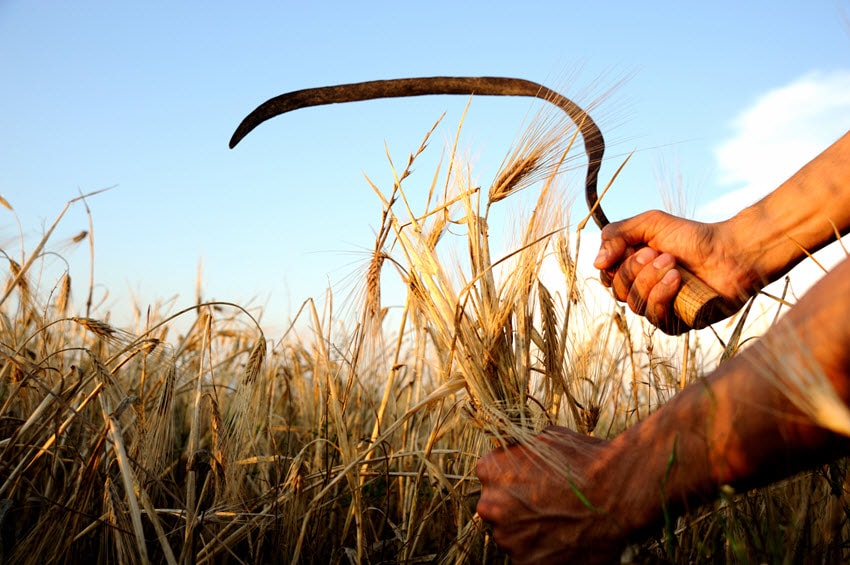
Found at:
[664, 464]
[762, 249]
[632, 486]
[805, 213]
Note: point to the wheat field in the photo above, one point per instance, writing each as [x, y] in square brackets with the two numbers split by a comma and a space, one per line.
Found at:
[353, 436]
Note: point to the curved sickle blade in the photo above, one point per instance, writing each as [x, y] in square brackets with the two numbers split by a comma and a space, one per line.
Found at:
[594, 144]
[696, 304]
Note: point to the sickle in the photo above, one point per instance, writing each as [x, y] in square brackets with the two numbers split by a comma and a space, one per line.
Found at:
[695, 304]
[594, 144]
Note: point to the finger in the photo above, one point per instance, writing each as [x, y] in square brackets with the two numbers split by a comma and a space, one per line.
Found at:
[612, 249]
[491, 506]
[657, 284]
[501, 465]
[487, 467]
[607, 275]
[617, 237]
[628, 271]
[561, 435]
[659, 308]
[653, 269]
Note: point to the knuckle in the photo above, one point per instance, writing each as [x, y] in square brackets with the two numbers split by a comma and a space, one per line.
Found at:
[655, 215]
[483, 469]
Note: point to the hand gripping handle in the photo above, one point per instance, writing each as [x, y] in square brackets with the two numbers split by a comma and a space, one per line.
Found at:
[697, 304]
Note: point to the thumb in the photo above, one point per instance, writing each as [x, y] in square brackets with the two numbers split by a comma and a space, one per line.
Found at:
[618, 237]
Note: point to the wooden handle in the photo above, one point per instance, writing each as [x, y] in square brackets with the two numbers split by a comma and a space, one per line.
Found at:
[697, 304]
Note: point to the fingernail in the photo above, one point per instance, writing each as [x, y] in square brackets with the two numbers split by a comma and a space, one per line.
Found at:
[601, 260]
[669, 277]
[645, 255]
[664, 261]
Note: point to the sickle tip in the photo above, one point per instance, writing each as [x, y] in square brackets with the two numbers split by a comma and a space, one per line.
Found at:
[238, 135]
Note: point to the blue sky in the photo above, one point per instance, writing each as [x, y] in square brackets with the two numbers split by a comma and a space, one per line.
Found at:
[730, 96]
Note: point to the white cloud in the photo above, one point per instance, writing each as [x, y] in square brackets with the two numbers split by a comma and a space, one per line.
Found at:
[778, 134]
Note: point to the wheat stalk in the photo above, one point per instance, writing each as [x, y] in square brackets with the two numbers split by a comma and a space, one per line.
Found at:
[785, 362]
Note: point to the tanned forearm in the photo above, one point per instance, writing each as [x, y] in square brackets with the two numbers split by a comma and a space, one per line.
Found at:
[803, 214]
[735, 427]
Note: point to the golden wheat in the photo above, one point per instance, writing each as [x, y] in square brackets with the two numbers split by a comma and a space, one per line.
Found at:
[335, 443]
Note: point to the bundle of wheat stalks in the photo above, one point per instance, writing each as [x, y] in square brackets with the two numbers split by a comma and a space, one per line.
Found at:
[354, 441]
